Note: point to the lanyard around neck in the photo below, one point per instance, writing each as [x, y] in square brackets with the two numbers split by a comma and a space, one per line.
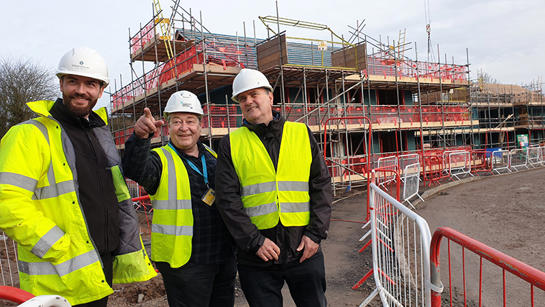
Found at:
[204, 173]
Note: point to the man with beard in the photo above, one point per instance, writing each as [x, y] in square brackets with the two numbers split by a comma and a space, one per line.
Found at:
[63, 198]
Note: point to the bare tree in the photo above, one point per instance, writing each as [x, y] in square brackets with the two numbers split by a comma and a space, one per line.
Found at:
[485, 78]
[21, 82]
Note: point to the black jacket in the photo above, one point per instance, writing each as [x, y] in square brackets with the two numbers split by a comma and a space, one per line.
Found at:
[211, 242]
[95, 183]
[246, 235]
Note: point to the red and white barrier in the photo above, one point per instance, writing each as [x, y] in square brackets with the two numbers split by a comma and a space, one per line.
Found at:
[400, 241]
[534, 278]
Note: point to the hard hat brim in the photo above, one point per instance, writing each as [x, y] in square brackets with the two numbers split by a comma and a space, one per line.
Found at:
[62, 73]
[234, 97]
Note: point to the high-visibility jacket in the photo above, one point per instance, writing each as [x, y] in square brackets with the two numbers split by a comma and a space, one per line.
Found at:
[40, 209]
[172, 224]
[270, 195]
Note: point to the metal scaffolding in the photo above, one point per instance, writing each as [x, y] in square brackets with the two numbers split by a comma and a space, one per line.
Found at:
[412, 106]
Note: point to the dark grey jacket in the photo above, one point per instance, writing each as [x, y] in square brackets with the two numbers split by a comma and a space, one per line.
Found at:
[246, 235]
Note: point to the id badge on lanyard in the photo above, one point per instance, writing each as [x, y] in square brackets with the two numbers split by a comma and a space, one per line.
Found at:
[210, 196]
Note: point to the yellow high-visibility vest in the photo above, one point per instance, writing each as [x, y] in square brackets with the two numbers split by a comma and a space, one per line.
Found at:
[40, 210]
[172, 224]
[270, 196]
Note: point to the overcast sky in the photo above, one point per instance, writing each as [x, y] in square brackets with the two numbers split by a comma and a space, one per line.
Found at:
[504, 38]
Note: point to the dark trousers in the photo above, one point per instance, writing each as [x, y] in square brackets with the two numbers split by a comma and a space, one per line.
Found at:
[108, 267]
[196, 285]
[306, 281]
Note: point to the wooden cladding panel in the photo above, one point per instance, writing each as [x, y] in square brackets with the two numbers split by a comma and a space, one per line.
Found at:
[268, 53]
[346, 57]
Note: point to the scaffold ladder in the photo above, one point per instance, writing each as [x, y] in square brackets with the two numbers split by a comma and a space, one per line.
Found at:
[164, 26]
[401, 44]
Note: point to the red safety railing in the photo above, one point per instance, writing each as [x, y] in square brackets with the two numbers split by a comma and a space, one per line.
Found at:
[141, 200]
[14, 295]
[222, 116]
[382, 65]
[480, 162]
[534, 277]
[435, 167]
[432, 167]
[142, 37]
[381, 172]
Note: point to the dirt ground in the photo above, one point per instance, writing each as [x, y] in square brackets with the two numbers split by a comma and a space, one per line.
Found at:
[505, 212]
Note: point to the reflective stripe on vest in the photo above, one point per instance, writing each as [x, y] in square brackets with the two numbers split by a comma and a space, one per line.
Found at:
[172, 228]
[20, 181]
[46, 241]
[270, 195]
[61, 269]
[271, 186]
[171, 204]
[54, 189]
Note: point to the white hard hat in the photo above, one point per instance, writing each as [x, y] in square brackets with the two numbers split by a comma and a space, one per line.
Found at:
[84, 62]
[248, 79]
[183, 101]
[46, 301]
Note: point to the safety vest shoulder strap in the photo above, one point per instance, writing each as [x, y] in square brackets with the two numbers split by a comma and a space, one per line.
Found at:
[211, 151]
[173, 174]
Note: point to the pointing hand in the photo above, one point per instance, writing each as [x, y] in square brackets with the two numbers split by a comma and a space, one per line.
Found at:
[146, 125]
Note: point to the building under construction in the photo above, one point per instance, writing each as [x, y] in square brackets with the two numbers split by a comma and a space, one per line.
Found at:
[362, 98]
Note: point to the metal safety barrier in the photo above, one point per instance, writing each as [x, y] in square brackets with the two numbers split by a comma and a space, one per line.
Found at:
[518, 269]
[518, 159]
[480, 162]
[407, 159]
[459, 164]
[534, 156]
[433, 168]
[500, 161]
[387, 163]
[542, 151]
[411, 183]
[8, 261]
[400, 242]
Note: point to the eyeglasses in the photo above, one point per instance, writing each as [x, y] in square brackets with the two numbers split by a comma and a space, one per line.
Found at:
[189, 123]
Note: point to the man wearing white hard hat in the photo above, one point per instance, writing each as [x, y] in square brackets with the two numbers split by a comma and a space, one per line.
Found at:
[189, 242]
[274, 194]
[63, 197]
